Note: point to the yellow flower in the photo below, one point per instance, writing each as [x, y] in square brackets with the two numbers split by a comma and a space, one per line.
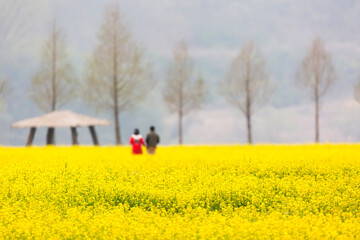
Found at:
[187, 192]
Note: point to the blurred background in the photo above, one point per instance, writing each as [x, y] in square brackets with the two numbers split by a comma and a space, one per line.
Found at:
[215, 31]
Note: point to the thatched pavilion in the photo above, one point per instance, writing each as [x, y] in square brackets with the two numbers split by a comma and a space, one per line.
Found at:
[61, 119]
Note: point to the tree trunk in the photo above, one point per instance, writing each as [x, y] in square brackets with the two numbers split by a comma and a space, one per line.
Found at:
[181, 101]
[117, 127]
[248, 124]
[53, 79]
[180, 128]
[53, 82]
[115, 85]
[248, 103]
[248, 118]
[317, 126]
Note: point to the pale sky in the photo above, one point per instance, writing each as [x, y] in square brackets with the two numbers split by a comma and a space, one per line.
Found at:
[215, 31]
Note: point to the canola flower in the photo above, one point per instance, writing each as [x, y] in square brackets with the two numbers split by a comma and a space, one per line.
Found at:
[185, 192]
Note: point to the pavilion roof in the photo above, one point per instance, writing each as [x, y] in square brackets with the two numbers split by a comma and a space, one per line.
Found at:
[63, 118]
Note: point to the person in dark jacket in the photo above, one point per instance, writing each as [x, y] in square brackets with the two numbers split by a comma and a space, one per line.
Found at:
[152, 139]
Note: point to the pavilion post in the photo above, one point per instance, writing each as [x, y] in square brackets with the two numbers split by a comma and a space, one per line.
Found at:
[74, 136]
[31, 136]
[93, 135]
[50, 136]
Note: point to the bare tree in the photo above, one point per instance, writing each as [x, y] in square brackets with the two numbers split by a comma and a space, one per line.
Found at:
[316, 74]
[54, 85]
[118, 78]
[4, 87]
[247, 85]
[14, 25]
[183, 91]
[357, 90]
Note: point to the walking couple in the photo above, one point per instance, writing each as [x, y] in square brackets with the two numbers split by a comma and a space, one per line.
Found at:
[152, 139]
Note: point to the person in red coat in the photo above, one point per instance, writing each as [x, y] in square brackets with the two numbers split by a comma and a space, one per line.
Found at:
[136, 140]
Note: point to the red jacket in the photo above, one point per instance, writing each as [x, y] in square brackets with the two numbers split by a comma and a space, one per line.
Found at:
[136, 141]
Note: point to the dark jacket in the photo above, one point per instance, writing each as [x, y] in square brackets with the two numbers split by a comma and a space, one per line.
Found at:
[152, 139]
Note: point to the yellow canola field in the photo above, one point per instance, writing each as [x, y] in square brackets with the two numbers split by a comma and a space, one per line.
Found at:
[188, 192]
